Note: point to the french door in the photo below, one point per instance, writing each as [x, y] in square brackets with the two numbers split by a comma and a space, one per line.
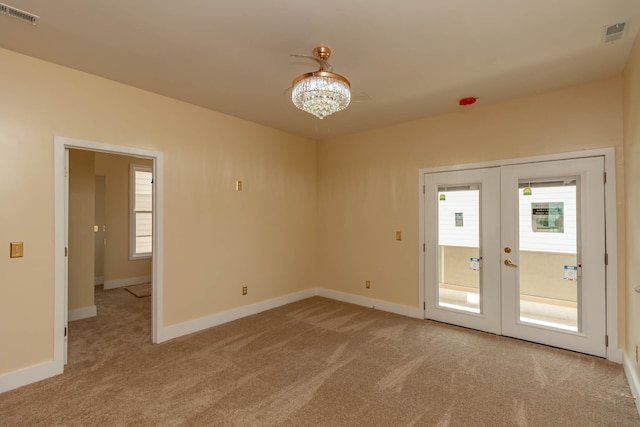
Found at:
[519, 251]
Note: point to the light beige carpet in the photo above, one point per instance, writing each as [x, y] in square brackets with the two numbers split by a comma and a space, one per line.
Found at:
[316, 362]
[140, 291]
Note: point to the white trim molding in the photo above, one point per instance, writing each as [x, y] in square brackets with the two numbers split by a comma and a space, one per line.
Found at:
[191, 326]
[391, 307]
[206, 322]
[82, 313]
[632, 377]
[120, 283]
[28, 375]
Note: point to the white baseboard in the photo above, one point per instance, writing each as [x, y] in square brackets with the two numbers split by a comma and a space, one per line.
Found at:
[82, 313]
[615, 355]
[191, 326]
[31, 374]
[98, 280]
[119, 283]
[632, 377]
[403, 310]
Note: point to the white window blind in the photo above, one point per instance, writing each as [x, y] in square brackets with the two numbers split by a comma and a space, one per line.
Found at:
[463, 203]
[141, 220]
[562, 242]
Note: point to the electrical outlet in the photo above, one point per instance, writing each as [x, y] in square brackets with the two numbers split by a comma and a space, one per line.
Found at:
[367, 284]
[244, 290]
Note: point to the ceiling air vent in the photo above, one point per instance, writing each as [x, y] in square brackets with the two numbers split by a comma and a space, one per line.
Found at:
[18, 14]
[615, 32]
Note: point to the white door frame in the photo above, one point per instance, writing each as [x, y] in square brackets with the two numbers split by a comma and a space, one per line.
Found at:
[614, 353]
[60, 145]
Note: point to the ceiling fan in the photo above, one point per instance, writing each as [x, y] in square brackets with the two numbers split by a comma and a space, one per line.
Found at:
[321, 92]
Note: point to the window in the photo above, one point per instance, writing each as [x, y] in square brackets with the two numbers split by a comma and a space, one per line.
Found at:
[463, 201]
[560, 193]
[141, 212]
[459, 216]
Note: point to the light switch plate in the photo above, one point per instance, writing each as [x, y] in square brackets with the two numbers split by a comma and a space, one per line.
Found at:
[17, 249]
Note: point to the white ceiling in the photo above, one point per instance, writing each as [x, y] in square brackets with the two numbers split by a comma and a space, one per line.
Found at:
[410, 58]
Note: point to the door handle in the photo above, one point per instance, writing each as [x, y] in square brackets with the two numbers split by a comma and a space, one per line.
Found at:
[508, 263]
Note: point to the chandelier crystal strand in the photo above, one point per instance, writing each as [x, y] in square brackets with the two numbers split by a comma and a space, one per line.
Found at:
[321, 95]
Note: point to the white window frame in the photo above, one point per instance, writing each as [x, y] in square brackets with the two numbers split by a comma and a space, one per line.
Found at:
[133, 255]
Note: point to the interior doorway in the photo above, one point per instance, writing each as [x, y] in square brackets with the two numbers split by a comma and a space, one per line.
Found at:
[519, 250]
[110, 199]
[61, 160]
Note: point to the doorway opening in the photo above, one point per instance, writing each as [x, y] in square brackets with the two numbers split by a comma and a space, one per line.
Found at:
[62, 146]
[110, 229]
[519, 248]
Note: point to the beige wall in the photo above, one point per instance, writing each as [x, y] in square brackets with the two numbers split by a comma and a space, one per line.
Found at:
[81, 239]
[368, 183]
[215, 239]
[632, 197]
[117, 265]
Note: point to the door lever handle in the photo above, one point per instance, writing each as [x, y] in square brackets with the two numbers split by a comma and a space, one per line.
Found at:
[508, 263]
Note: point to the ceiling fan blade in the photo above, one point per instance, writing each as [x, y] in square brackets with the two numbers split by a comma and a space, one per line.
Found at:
[360, 97]
[324, 65]
[287, 96]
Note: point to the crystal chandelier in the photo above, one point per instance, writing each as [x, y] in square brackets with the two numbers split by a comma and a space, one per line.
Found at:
[321, 92]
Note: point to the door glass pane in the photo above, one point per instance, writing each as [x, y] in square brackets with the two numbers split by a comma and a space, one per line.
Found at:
[549, 274]
[459, 248]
